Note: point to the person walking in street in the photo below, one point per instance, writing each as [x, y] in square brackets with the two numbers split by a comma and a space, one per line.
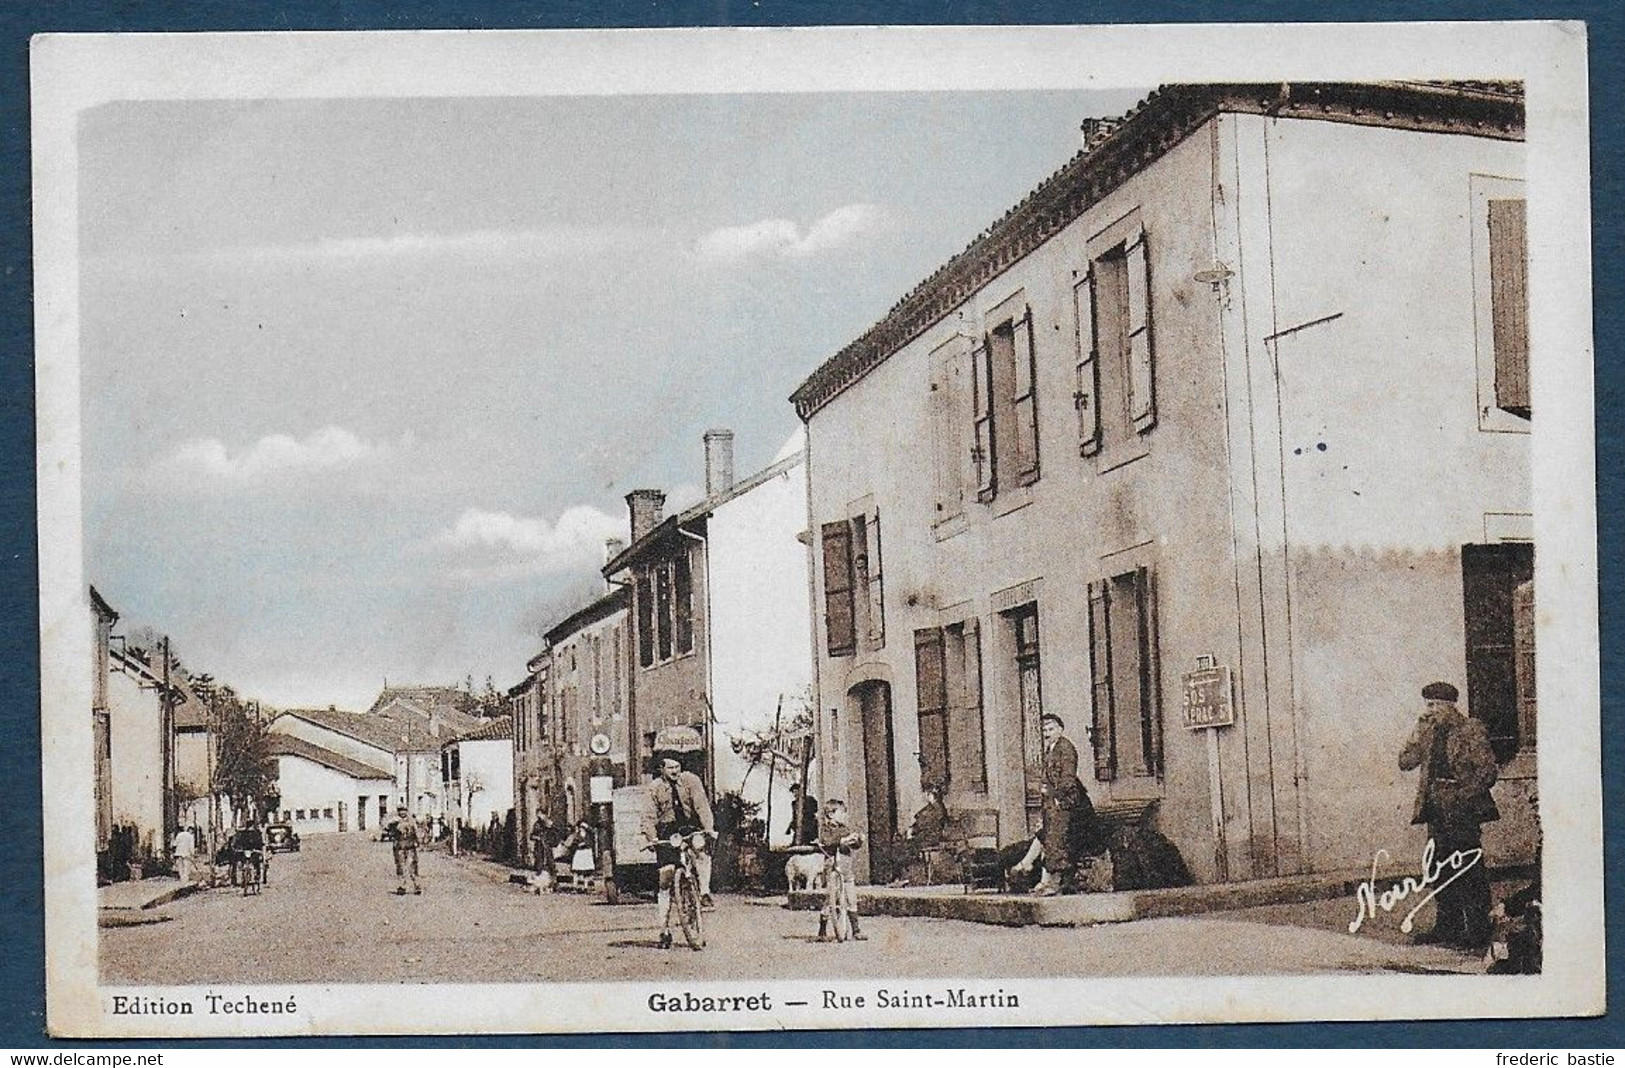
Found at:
[542, 839]
[405, 841]
[1060, 793]
[1457, 765]
[679, 807]
[184, 844]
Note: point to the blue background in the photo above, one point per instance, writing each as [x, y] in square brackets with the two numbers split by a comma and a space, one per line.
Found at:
[22, 1004]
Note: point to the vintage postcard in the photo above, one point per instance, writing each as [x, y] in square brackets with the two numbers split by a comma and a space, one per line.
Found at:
[696, 530]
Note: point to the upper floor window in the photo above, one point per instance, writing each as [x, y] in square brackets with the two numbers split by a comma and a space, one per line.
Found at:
[854, 602]
[665, 610]
[1004, 448]
[1116, 371]
[1509, 305]
[1127, 728]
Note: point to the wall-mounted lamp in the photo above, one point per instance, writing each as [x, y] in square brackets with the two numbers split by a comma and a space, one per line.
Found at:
[1214, 275]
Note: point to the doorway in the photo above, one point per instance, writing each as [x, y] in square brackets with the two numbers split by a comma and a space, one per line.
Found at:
[880, 785]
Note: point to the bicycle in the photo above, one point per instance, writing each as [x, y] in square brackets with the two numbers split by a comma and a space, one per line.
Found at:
[685, 890]
[251, 869]
[837, 916]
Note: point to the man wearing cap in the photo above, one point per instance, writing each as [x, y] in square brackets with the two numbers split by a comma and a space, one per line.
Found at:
[678, 807]
[404, 831]
[1060, 792]
[1453, 798]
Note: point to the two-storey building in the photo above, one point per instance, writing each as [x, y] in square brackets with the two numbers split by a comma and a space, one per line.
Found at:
[1243, 385]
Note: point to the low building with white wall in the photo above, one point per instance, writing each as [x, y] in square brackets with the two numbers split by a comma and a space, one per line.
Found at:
[477, 769]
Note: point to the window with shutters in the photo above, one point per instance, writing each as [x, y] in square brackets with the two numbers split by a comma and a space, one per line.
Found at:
[931, 686]
[1509, 305]
[1491, 576]
[683, 603]
[1005, 417]
[646, 619]
[1126, 726]
[1498, 239]
[953, 440]
[663, 613]
[1115, 381]
[948, 680]
[840, 610]
[854, 588]
[967, 740]
[1523, 646]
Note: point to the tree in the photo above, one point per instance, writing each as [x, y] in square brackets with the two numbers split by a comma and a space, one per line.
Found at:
[244, 770]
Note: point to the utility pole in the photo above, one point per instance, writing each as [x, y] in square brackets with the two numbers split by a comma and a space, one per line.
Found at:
[166, 703]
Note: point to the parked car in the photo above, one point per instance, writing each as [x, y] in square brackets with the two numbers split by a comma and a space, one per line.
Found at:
[281, 838]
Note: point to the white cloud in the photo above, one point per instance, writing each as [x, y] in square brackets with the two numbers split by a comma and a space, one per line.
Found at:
[329, 448]
[575, 539]
[783, 237]
[557, 243]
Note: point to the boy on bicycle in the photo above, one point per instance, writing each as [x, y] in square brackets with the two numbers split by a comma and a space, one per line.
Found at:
[837, 839]
[680, 808]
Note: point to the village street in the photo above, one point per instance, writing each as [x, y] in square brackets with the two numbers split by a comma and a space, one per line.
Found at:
[329, 915]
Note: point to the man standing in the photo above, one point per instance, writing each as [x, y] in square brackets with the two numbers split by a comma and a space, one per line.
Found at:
[1060, 794]
[679, 807]
[1453, 799]
[803, 829]
[405, 830]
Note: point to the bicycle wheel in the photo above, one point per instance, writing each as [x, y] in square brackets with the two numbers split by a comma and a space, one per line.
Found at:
[840, 919]
[686, 898]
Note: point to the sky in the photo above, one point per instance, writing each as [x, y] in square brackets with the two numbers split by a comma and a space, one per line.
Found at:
[365, 381]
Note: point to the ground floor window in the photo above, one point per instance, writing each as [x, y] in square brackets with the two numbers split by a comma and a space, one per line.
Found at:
[1126, 732]
[1498, 692]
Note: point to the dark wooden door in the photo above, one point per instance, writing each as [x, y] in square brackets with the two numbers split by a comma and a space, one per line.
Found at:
[874, 704]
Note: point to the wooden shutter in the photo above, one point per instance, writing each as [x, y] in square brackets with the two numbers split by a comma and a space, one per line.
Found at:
[1509, 304]
[1151, 672]
[874, 587]
[947, 437]
[972, 745]
[1086, 397]
[982, 408]
[1100, 672]
[1523, 647]
[646, 620]
[1142, 400]
[931, 695]
[840, 632]
[1025, 398]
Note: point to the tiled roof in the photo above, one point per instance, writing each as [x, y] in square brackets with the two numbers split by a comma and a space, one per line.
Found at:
[425, 699]
[496, 729]
[287, 745]
[1120, 148]
[607, 605]
[394, 730]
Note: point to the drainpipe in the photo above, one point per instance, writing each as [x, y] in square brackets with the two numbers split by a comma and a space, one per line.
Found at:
[710, 666]
[823, 750]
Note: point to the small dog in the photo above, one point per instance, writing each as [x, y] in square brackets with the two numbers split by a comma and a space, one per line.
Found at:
[805, 871]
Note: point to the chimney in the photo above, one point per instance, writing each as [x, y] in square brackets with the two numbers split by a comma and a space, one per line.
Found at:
[719, 462]
[645, 506]
[613, 547]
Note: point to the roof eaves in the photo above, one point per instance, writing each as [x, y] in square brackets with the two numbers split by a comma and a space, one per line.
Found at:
[1144, 134]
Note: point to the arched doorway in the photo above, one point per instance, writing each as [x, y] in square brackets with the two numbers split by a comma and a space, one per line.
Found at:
[873, 701]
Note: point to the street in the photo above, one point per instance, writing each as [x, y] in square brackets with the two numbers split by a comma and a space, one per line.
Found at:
[329, 914]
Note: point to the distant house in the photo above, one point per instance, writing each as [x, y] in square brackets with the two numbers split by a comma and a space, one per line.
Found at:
[325, 791]
[401, 736]
[196, 751]
[720, 617]
[477, 771]
[103, 617]
[137, 752]
[533, 756]
[588, 701]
